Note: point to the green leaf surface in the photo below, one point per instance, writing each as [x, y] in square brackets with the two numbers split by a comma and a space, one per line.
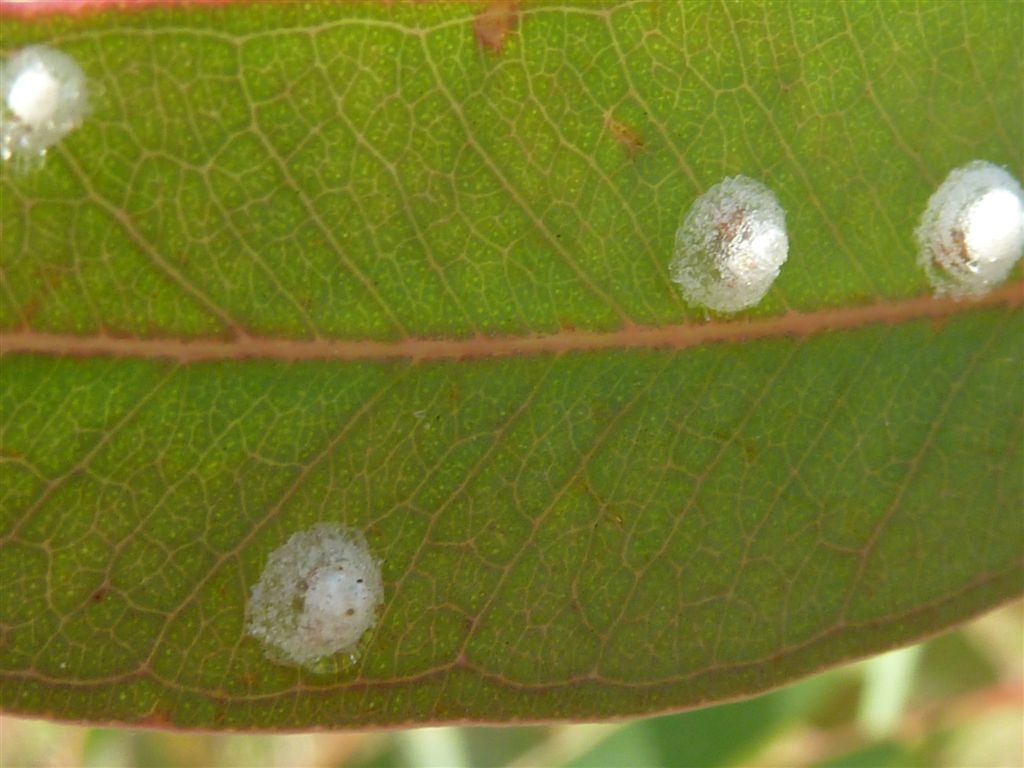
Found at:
[385, 266]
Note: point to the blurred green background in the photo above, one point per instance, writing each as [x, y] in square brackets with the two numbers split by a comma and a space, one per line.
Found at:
[956, 700]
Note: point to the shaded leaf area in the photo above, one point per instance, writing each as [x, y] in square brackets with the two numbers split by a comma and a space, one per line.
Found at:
[564, 536]
[571, 536]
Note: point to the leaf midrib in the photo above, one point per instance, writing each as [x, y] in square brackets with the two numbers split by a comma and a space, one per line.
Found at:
[630, 336]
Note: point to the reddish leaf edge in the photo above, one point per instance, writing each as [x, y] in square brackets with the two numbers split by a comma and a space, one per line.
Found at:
[32, 9]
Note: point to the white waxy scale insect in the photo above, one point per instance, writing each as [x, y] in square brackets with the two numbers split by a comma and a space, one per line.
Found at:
[44, 98]
[317, 596]
[972, 232]
[731, 245]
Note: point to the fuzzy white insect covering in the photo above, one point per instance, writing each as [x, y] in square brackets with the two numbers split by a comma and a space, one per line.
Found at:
[317, 596]
[731, 245]
[972, 232]
[44, 99]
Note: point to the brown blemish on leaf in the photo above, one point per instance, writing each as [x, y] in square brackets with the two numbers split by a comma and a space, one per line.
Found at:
[614, 517]
[494, 23]
[628, 138]
[156, 718]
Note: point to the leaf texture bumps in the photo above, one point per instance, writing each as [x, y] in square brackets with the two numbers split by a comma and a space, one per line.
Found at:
[590, 531]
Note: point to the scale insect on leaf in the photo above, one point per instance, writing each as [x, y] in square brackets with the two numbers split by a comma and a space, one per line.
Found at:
[317, 596]
[730, 246]
[972, 232]
[45, 97]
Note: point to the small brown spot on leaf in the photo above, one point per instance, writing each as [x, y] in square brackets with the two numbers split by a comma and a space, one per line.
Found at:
[99, 594]
[614, 517]
[494, 23]
[628, 138]
[157, 718]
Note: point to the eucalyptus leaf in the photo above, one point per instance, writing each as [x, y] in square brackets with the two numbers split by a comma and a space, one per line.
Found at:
[404, 268]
